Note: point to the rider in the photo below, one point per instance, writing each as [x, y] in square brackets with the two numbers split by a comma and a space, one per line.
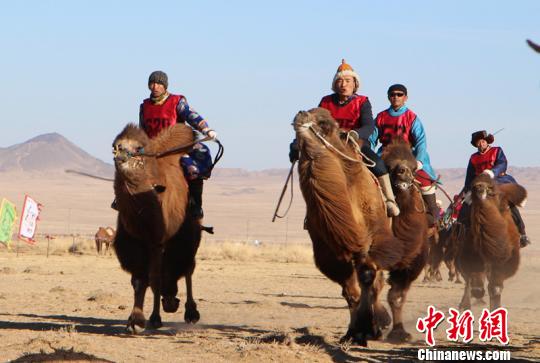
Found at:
[399, 121]
[163, 109]
[491, 160]
[354, 116]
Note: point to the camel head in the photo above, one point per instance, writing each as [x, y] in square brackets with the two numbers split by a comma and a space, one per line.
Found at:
[483, 188]
[127, 147]
[319, 119]
[311, 126]
[401, 164]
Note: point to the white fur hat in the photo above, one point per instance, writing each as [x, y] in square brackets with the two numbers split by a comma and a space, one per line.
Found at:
[345, 69]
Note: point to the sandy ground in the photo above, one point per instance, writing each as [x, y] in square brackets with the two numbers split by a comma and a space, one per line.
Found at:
[266, 303]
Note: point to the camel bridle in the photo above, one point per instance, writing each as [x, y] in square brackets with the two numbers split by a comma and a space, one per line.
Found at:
[363, 158]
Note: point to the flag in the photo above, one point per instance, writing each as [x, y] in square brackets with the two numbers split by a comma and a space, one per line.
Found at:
[29, 218]
[8, 214]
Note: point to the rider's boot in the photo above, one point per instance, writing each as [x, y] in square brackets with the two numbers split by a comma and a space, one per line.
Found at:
[392, 208]
[432, 213]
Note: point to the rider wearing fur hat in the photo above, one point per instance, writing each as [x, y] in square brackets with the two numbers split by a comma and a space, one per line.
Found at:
[163, 109]
[491, 160]
[399, 121]
[354, 116]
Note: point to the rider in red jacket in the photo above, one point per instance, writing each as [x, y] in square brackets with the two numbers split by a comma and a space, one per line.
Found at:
[354, 116]
[163, 109]
[491, 160]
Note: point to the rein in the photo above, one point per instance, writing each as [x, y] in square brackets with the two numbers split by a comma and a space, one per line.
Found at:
[161, 154]
[290, 177]
[368, 162]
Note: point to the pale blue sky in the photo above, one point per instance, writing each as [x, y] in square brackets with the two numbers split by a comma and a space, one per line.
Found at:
[80, 68]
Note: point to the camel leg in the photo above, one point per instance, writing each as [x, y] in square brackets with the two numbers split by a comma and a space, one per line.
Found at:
[465, 303]
[155, 283]
[397, 296]
[191, 314]
[451, 270]
[427, 274]
[381, 314]
[495, 288]
[98, 246]
[351, 292]
[136, 319]
[366, 325]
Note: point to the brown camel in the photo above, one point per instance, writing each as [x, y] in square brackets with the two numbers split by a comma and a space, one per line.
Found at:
[156, 240]
[346, 220]
[104, 236]
[444, 250]
[410, 226]
[490, 249]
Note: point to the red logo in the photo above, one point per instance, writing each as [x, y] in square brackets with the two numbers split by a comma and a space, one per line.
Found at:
[494, 325]
[429, 323]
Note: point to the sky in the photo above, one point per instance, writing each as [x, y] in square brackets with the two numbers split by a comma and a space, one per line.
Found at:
[80, 68]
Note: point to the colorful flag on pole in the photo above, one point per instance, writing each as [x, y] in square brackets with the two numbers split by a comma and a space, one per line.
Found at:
[29, 218]
[8, 214]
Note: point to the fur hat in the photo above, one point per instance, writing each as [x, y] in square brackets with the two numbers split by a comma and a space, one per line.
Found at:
[479, 135]
[159, 77]
[345, 69]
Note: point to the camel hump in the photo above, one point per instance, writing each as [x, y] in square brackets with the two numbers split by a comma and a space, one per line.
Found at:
[514, 193]
[171, 137]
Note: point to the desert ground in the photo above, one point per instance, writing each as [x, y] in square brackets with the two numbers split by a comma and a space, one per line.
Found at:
[263, 301]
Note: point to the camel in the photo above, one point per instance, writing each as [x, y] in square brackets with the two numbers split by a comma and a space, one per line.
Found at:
[444, 250]
[490, 249]
[104, 235]
[346, 220]
[410, 226]
[156, 240]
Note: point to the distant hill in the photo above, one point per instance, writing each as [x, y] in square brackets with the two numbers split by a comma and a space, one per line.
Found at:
[50, 153]
[54, 153]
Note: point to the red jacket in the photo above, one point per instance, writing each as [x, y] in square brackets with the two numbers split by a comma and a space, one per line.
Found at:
[158, 117]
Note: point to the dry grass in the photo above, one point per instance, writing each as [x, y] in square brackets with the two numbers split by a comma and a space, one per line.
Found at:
[216, 251]
[237, 251]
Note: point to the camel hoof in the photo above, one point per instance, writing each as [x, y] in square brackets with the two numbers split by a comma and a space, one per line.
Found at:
[354, 339]
[426, 279]
[191, 316]
[136, 323]
[154, 322]
[458, 281]
[170, 304]
[383, 318]
[398, 336]
[463, 306]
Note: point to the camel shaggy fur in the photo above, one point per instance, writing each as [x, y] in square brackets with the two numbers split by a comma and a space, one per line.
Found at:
[346, 220]
[490, 249]
[156, 240]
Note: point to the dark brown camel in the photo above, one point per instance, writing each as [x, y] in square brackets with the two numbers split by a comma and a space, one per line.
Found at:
[490, 249]
[104, 236]
[410, 226]
[444, 250]
[156, 240]
[346, 220]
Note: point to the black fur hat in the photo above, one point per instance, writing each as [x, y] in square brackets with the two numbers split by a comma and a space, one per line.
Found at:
[479, 135]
